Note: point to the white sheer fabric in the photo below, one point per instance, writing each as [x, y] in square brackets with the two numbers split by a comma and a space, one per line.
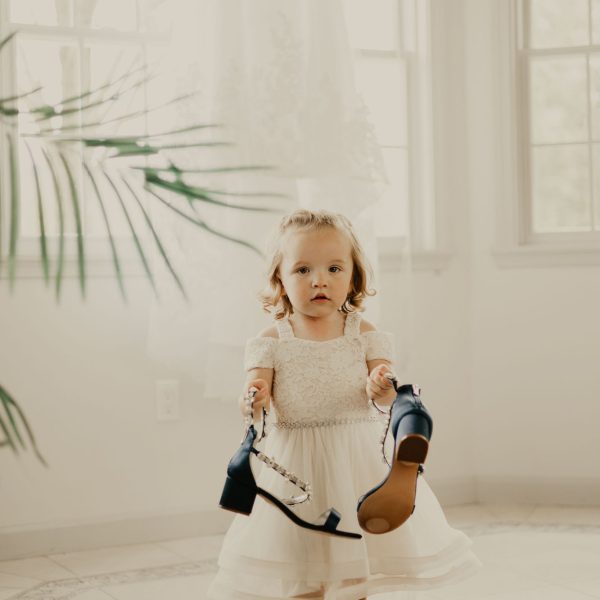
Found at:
[278, 74]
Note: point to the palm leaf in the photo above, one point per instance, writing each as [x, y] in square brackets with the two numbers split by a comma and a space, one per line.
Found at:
[176, 170]
[203, 225]
[136, 239]
[7, 39]
[56, 145]
[61, 223]
[203, 194]
[113, 247]
[43, 244]
[10, 405]
[124, 117]
[157, 240]
[14, 211]
[19, 96]
[77, 214]
[48, 111]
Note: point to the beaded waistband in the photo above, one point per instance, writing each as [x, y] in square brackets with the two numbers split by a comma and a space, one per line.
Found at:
[326, 422]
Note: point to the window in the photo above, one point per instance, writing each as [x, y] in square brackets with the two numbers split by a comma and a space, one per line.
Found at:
[558, 57]
[391, 42]
[69, 47]
[67, 51]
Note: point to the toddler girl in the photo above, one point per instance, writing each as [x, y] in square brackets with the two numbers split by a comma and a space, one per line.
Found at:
[318, 365]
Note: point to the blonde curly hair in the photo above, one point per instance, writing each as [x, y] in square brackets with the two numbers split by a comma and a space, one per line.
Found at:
[272, 297]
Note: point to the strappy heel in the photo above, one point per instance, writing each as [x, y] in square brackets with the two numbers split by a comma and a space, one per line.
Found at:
[240, 489]
[388, 505]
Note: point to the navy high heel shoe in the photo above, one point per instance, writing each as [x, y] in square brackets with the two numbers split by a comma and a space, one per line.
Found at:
[240, 490]
[388, 505]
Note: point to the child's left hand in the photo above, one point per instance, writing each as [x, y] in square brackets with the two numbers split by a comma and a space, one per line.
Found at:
[379, 388]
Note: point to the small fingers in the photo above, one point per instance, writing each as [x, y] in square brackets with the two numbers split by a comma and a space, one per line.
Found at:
[383, 381]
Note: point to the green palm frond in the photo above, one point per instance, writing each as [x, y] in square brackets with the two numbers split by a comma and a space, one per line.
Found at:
[14, 210]
[10, 414]
[67, 143]
[111, 240]
[38, 193]
[59, 145]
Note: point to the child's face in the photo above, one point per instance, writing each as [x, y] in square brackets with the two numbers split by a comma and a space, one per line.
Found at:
[316, 262]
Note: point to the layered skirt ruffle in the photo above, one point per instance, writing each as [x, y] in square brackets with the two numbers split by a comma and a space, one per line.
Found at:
[266, 556]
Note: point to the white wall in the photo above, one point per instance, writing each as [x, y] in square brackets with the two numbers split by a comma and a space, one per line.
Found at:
[507, 359]
[81, 373]
[535, 331]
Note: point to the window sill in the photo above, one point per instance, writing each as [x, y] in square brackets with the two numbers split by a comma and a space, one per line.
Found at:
[95, 268]
[421, 261]
[98, 260]
[546, 256]
[391, 257]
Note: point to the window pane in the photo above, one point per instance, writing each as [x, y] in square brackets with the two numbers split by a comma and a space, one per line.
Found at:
[55, 67]
[29, 209]
[119, 66]
[118, 170]
[34, 12]
[559, 99]
[392, 212]
[556, 23]
[595, 92]
[109, 63]
[372, 25]
[120, 15]
[165, 111]
[382, 83]
[156, 15]
[560, 189]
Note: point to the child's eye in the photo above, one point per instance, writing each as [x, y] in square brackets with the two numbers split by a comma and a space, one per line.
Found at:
[303, 270]
[334, 267]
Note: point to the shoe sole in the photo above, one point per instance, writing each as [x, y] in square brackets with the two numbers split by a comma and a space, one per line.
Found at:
[391, 505]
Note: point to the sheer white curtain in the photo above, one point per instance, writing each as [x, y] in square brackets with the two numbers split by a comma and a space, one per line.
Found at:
[278, 75]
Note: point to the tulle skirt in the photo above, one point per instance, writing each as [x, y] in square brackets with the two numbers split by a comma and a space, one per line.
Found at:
[266, 556]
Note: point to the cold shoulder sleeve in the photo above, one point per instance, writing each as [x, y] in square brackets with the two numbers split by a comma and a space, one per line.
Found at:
[379, 344]
[260, 352]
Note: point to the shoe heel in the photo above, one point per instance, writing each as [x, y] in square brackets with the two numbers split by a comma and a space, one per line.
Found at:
[416, 424]
[413, 436]
[237, 497]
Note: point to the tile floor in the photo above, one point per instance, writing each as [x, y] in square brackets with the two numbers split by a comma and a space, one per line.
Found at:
[529, 553]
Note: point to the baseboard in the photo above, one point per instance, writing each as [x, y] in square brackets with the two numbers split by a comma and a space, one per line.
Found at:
[453, 491]
[31, 541]
[36, 541]
[582, 491]
[572, 491]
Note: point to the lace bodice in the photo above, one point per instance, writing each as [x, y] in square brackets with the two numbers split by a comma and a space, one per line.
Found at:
[319, 382]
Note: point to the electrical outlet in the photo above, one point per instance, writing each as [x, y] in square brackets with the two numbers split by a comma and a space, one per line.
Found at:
[167, 400]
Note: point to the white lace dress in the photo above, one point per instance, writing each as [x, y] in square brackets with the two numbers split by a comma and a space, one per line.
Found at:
[327, 434]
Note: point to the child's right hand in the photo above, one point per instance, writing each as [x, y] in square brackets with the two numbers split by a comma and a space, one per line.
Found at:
[262, 398]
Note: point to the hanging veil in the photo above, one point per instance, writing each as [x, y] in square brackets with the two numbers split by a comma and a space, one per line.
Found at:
[278, 77]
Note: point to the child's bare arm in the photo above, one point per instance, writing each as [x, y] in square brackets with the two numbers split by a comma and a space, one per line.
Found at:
[380, 388]
[262, 380]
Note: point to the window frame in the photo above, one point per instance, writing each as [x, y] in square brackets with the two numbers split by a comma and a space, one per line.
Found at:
[424, 202]
[99, 261]
[515, 243]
